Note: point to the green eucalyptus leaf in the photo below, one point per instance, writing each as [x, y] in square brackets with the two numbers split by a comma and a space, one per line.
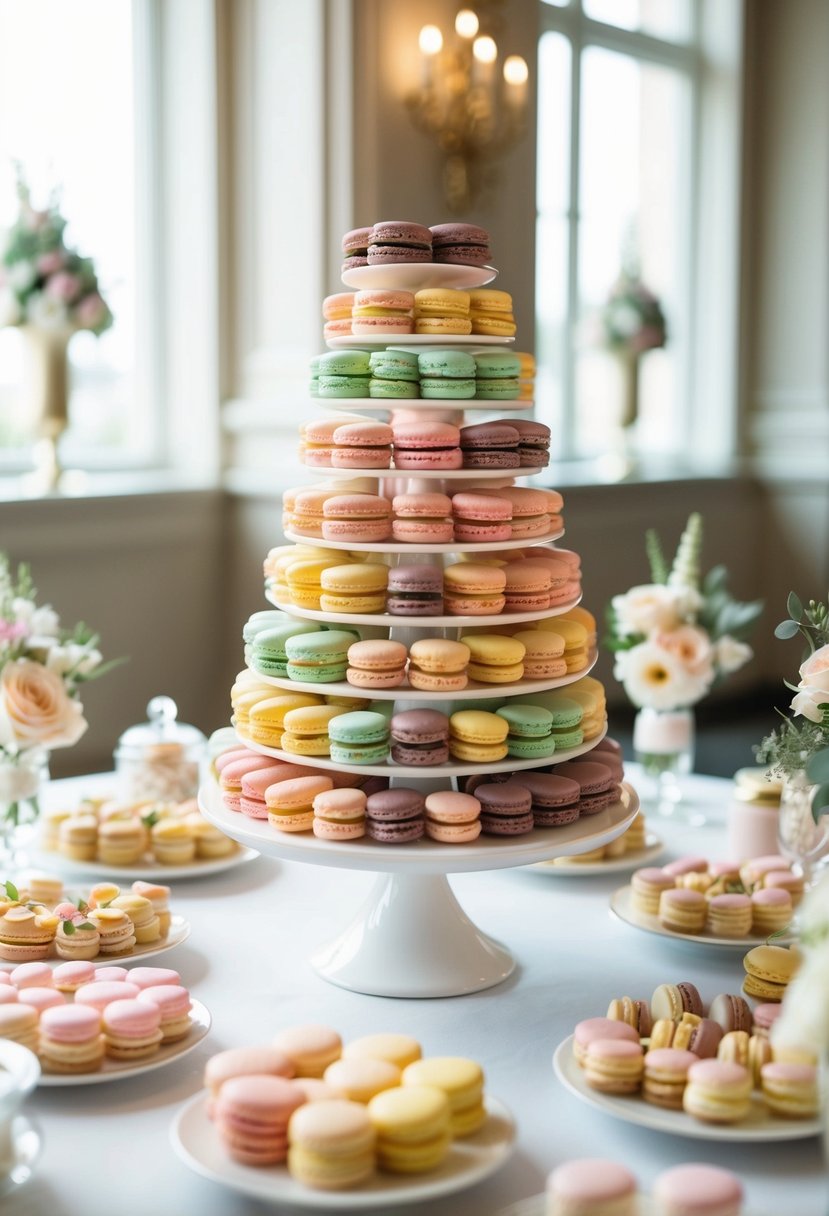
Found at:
[68, 928]
[794, 607]
[786, 629]
[714, 581]
[820, 801]
[817, 769]
[11, 890]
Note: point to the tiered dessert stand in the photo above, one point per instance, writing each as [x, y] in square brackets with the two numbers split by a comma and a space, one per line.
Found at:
[412, 938]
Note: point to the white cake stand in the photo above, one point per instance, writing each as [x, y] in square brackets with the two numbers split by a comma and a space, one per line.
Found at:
[411, 937]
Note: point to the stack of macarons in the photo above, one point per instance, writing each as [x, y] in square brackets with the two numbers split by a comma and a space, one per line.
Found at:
[440, 374]
[335, 1113]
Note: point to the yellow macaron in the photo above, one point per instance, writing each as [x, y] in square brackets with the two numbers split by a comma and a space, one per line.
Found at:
[354, 588]
[413, 1128]
[494, 658]
[462, 1081]
[306, 729]
[477, 735]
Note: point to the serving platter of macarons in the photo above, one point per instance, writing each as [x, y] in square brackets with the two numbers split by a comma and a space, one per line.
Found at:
[736, 1110]
[602, 860]
[393, 546]
[200, 867]
[469, 343]
[472, 474]
[311, 1121]
[391, 620]
[713, 903]
[375, 405]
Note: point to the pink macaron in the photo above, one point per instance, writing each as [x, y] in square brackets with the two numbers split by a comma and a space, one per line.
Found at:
[131, 1019]
[362, 445]
[686, 865]
[68, 977]
[481, 517]
[382, 311]
[252, 800]
[70, 1023]
[252, 1114]
[361, 518]
[452, 818]
[113, 975]
[8, 994]
[34, 975]
[590, 1185]
[424, 519]
[426, 445]
[150, 977]
[103, 993]
[340, 814]
[698, 1190]
[41, 998]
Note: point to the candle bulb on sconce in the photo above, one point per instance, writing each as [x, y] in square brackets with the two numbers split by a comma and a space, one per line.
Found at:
[472, 110]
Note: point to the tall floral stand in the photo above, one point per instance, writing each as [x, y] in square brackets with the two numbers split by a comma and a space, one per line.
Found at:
[46, 379]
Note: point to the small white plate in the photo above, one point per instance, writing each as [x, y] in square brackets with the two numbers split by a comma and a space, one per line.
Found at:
[197, 1143]
[179, 932]
[407, 341]
[621, 904]
[760, 1125]
[396, 546]
[570, 867]
[415, 276]
[115, 1070]
[45, 859]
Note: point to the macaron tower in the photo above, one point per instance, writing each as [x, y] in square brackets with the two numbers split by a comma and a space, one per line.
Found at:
[422, 485]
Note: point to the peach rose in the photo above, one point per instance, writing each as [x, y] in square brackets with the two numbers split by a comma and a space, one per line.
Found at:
[35, 710]
[814, 673]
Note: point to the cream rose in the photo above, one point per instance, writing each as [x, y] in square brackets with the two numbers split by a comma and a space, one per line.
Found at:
[814, 673]
[691, 646]
[35, 709]
[643, 609]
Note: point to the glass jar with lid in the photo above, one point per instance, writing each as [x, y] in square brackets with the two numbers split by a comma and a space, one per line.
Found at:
[754, 814]
[160, 759]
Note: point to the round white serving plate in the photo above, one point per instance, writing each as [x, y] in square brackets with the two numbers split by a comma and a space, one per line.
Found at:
[760, 1125]
[115, 1070]
[570, 867]
[372, 405]
[473, 691]
[407, 341]
[52, 861]
[621, 904]
[470, 1160]
[392, 620]
[396, 546]
[415, 276]
[435, 475]
[441, 772]
[411, 937]
[179, 932]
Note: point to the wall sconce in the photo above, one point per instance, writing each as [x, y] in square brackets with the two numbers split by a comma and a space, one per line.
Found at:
[473, 110]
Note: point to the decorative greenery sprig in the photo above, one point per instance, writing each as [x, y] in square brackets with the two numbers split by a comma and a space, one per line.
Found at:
[802, 743]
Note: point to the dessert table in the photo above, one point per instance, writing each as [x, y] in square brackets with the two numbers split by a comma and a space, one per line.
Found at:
[107, 1147]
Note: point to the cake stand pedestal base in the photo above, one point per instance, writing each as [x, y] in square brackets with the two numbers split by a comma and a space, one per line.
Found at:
[411, 938]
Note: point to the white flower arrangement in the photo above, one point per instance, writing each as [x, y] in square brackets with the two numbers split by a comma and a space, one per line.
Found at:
[41, 670]
[677, 635]
[805, 1015]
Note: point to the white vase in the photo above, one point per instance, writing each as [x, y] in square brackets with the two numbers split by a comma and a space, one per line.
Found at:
[663, 743]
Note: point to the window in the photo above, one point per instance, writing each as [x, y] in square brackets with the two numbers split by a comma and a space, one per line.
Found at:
[75, 111]
[618, 83]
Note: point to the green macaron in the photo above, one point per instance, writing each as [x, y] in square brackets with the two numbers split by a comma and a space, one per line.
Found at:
[344, 363]
[530, 749]
[568, 737]
[448, 390]
[446, 364]
[267, 653]
[393, 390]
[394, 364]
[496, 390]
[359, 737]
[528, 721]
[496, 365]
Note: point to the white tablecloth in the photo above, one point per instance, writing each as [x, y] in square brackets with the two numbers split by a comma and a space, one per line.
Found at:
[107, 1147]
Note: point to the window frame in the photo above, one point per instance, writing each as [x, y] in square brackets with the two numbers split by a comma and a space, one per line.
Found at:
[710, 56]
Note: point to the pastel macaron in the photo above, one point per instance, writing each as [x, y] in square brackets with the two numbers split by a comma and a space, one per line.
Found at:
[382, 311]
[481, 517]
[70, 1039]
[310, 1047]
[423, 518]
[506, 808]
[396, 242]
[245, 1061]
[590, 1187]
[361, 518]
[590, 1029]
[460, 244]
[291, 803]
[415, 590]
[698, 1190]
[477, 735]
[717, 1091]
[488, 445]
[131, 1028]
[452, 818]
[362, 445]
[413, 1125]
[426, 445]
[555, 799]
[331, 1144]
[358, 587]
[339, 814]
[251, 1115]
[461, 1080]
[494, 658]
[359, 737]
[395, 816]
[376, 663]
[438, 664]
[420, 737]
[471, 589]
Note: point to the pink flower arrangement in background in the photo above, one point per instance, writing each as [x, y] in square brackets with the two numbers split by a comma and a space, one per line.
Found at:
[677, 635]
[42, 667]
[43, 282]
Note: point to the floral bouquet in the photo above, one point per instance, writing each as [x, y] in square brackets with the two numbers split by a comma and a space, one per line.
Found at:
[677, 635]
[804, 1018]
[632, 320]
[43, 282]
[41, 669]
[802, 742]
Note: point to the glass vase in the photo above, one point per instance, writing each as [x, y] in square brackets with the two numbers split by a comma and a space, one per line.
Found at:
[801, 840]
[663, 743]
[22, 778]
